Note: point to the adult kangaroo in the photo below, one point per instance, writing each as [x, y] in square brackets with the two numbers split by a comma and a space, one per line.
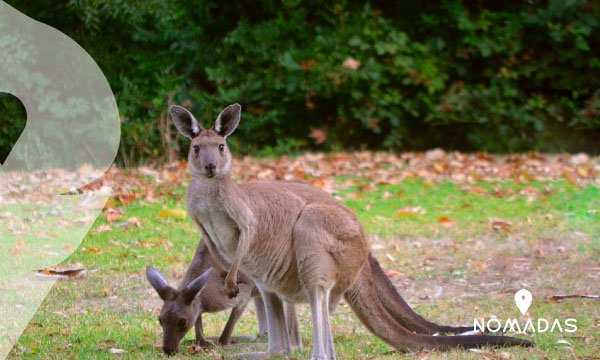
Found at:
[298, 243]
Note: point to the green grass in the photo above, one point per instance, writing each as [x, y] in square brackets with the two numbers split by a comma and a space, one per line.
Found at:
[550, 248]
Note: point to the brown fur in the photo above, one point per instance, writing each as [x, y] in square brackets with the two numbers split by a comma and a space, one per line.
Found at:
[211, 299]
[296, 242]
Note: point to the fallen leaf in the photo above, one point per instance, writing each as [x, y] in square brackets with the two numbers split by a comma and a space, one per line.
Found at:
[500, 224]
[94, 250]
[147, 171]
[20, 246]
[410, 210]
[489, 355]
[580, 159]
[530, 190]
[70, 272]
[435, 154]
[165, 243]
[113, 214]
[478, 190]
[125, 198]
[173, 213]
[439, 167]
[445, 222]
[103, 228]
[583, 171]
[404, 213]
[134, 221]
[393, 274]
[116, 351]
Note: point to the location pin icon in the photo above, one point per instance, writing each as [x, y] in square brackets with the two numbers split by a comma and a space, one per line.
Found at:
[523, 300]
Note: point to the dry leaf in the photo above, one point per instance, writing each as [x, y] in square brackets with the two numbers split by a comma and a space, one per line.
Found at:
[445, 222]
[103, 228]
[125, 198]
[580, 159]
[478, 190]
[94, 250]
[489, 355]
[116, 351]
[530, 190]
[500, 224]
[113, 214]
[439, 167]
[393, 274]
[583, 171]
[173, 213]
[134, 221]
[20, 246]
[70, 272]
[147, 171]
[435, 154]
[405, 210]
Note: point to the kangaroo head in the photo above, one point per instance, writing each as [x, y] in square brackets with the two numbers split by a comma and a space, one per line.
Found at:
[177, 315]
[209, 155]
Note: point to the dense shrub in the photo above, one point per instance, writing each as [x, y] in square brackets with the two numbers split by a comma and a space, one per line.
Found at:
[488, 75]
[12, 118]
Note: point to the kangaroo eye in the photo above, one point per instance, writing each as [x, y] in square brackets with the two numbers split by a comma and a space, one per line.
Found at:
[221, 147]
[182, 323]
[196, 148]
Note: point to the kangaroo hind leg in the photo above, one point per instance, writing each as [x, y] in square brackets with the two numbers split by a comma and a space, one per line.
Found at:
[323, 340]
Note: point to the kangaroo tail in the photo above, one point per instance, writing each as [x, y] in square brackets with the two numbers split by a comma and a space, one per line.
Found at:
[400, 310]
[373, 314]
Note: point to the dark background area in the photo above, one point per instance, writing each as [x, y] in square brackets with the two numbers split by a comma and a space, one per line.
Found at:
[491, 76]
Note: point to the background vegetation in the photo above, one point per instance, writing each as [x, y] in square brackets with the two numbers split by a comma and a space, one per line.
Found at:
[489, 75]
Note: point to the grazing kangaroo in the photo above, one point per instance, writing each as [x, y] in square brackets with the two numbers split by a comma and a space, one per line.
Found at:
[300, 244]
[201, 291]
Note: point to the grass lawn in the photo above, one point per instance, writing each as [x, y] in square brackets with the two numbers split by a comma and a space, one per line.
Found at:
[455, 253]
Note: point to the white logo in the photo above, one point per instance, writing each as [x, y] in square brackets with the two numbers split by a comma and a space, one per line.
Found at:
[523, 300]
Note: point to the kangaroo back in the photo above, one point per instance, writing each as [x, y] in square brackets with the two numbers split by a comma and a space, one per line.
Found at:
[373, 314]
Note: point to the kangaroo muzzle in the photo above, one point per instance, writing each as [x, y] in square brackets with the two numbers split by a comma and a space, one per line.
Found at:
[210, 170]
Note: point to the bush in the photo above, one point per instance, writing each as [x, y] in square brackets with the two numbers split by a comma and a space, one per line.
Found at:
[494, 76]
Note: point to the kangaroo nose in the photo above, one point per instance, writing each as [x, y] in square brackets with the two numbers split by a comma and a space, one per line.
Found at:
[210, 167]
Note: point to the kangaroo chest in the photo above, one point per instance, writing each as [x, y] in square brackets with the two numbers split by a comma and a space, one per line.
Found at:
[223, 231]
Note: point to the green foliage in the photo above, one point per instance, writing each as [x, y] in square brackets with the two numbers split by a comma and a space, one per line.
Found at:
[493, 76]
[12, 118]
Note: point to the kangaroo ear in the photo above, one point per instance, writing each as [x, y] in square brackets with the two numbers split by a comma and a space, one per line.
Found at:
[228, 120]
[158, 282]
[196, 286]
[185, 122]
